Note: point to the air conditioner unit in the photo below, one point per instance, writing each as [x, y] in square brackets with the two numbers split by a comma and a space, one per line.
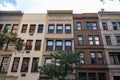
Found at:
[27, 51]
[23, 75]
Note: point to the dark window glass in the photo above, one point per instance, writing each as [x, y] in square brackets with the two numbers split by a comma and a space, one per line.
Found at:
[91, 76]
[1, 26]
[101, 76]
[118, 39]
[51, 29]
[14, 28]
[93, 58]
[119, 24]
[80, 40]
[88, 26]
[82, 75]
[114, 25]
[15, 64]
[29, 45]
[7, 27]
[24, 28]
[40, 29]
[49, 45]
[58, 45]
[32, 28]
[59, 28]
[37, 44]
[108, 40]
[104, 24]
[25, 65]
[67, 29]
[68, 45]
[21, 44]
[116, 77]
[79, 26]
[35, 65]
[4, 64]
[114, 57]
[100, 58]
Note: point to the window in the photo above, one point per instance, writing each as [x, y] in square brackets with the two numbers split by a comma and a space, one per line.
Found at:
[4, 64]
[91, 25]
[91, 76]
[35, 65]
[116, 77]
[119, 24]
[104, 24]
[14, 28]
[7, 28]
[25, 65]
[97, 42]
[81, 56]
[80, 40]
[21, 44]
[51, 29]
[48, 60]
[40, 29]
[90, 38]
[88, 25]
[93, 58]
[24, 28]
[101, 76]
[114, 57]
[1, 26]
[82, 75]
[79, 26]
[32, 28]
[118, 39]
[29, 45]
[114, 24]
[68, 45]
[58, 45]
[94, 40]
[100, 58]
[37, 44]
[15, 64]
[108, 40]
[68, 29]
[59, 28]
[49, 45]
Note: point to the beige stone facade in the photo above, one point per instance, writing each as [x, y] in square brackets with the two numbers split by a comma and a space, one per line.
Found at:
[110, 30]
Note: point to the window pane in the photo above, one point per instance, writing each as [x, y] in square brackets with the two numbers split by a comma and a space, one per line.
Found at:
[40, 29]
[88, 25]
[29, 45]
[51, 28]
[80, 40]
[79, 26]
[119, 24]
[67, 29]
[7, 28]
[101, 76]
[68, 45]
[37, 44]
[59, 45]
[4, 64]
[81, 55]
[108, 40]
[100, 58]
[48, 60]
[1, 26]
[104, 24]
[82, 75]
[114, 25]
[32, 28]
[94, 24]
[15, 64]
[59, 29]
[25, 65]
[49, 45]
[35, 65]
[118, 39]
[24, 28]
[91, 76]
[97, 42]
[93, 58]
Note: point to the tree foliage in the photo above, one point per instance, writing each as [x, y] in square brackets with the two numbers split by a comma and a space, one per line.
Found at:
[7, 38]
[60, 68]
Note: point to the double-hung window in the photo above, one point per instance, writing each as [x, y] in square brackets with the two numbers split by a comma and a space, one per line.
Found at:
[80, 40]
[40, 29]
[68, 45]
[58, 45]
[51, 29]
[49, 45]
[68, 29]
[79, 26]
[59, 28]
[104, 25]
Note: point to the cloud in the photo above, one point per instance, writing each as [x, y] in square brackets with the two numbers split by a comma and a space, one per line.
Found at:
[78, 6]
[7, 6]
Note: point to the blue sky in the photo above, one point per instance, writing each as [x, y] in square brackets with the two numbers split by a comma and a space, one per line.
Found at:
[41, 6]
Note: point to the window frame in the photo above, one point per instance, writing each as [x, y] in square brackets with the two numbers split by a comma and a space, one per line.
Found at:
[59, 31]
[68, 31]
[57, 46]
[32, 28]
[51, 31]
[104, 25]
[80, 41]
[34, 64]
[68, 48]
[49, 47]
[37, 45]
[40, 28]
[79, 27]
[29, 45]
